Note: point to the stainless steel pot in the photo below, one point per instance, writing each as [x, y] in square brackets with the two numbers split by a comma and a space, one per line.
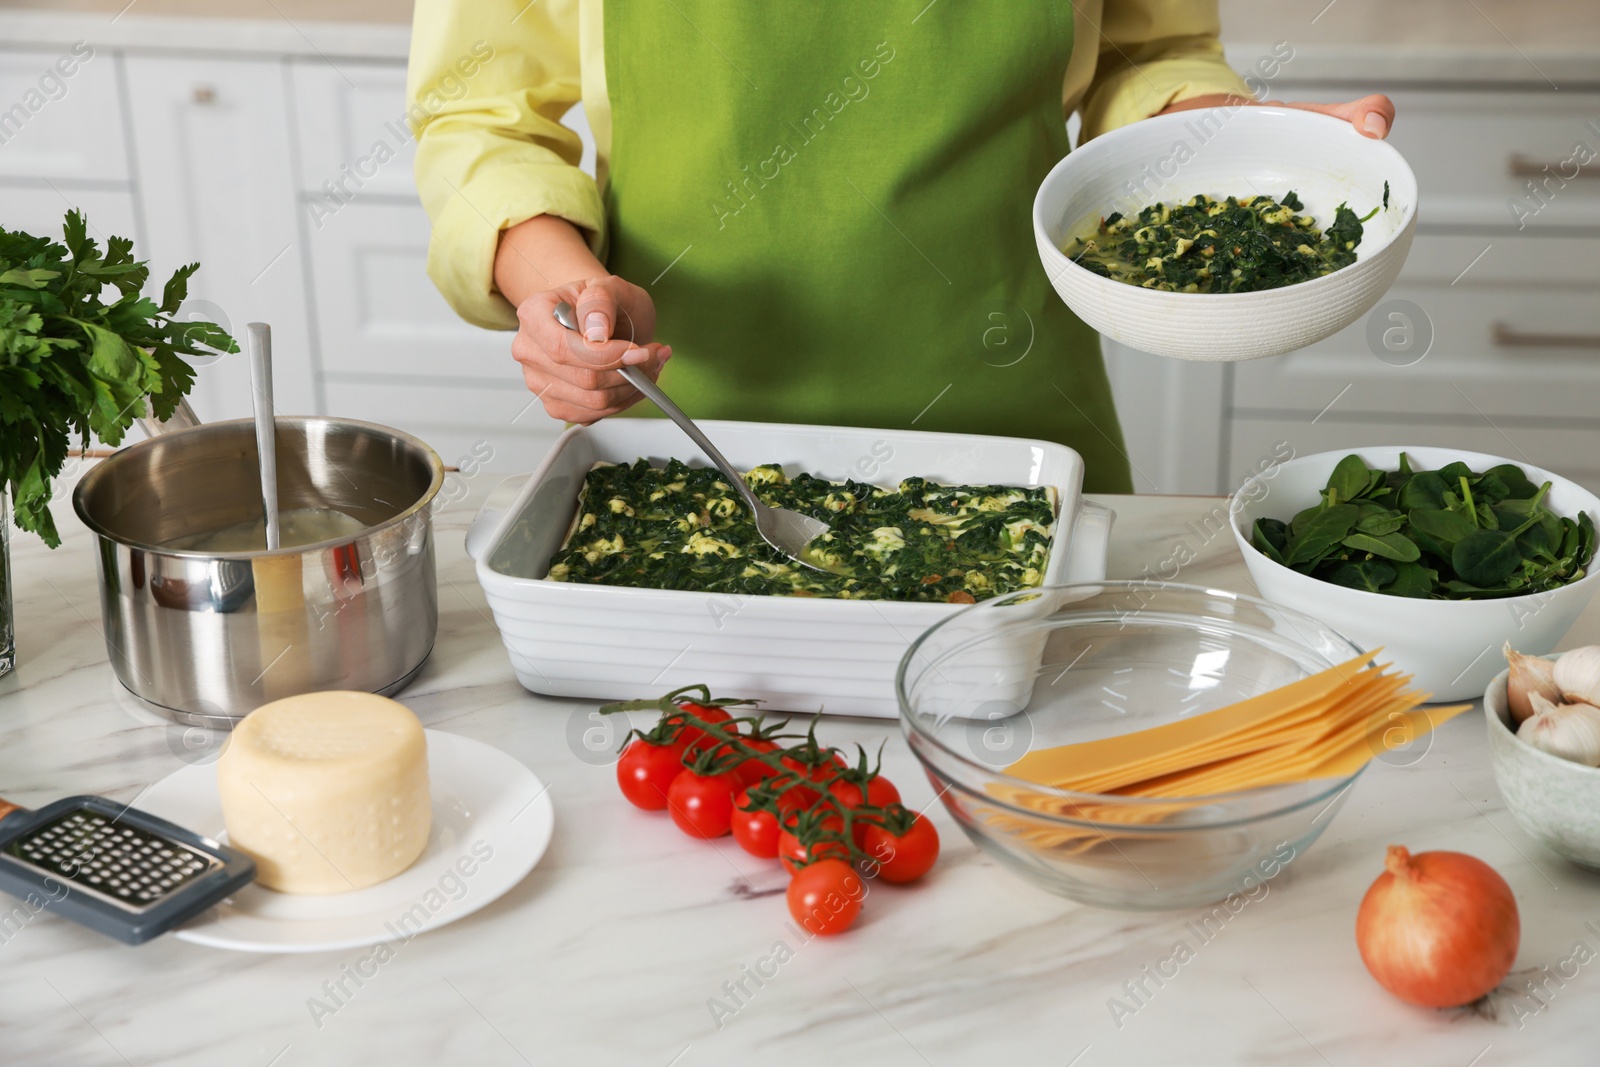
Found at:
[206, 637]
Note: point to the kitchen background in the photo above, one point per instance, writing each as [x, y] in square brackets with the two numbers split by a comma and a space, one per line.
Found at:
[266, 138]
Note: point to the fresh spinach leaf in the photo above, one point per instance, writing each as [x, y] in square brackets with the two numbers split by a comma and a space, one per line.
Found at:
[1450, 533]
[1446, 527]
[1486, 558]
[1269, 538]
[1370, 575]
[1394, 546]
[1412, 579]
[1425, 489]
[1378, 520]
[1320, 534]
[1349, 478]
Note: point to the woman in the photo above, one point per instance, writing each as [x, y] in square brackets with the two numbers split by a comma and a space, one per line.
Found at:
[825, 209]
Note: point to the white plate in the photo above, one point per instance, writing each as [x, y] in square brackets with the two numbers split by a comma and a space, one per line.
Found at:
[492, 820]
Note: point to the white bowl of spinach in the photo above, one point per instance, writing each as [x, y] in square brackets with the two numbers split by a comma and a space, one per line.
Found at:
[1438, 555]
[1312, 222]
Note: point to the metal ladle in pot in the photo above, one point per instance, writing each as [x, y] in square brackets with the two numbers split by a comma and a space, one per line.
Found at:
[260, 343]
[790, 532]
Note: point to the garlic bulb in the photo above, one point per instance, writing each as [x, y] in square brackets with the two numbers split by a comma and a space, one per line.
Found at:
[1529, 675]
[1571, 731]
[1578, 674]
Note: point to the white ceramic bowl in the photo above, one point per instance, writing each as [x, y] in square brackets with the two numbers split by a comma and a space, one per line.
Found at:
[1228, 152]
[1452, 646]
[1554, 800]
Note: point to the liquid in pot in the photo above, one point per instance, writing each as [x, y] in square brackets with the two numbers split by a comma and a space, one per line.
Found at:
[296, 527]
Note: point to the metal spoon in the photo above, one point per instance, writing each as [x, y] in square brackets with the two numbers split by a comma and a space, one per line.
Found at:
[787, 531]
[260, 344]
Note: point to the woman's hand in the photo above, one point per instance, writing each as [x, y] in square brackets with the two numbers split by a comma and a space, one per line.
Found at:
[1372, 116]
[573, 371]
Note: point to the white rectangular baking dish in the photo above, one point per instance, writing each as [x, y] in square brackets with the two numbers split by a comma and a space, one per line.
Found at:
[793, 653]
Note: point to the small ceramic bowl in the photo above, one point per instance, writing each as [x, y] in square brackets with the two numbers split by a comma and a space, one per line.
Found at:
[1554, 800]
[1238, 151]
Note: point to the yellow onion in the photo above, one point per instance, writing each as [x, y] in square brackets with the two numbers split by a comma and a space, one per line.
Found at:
[1438, 929]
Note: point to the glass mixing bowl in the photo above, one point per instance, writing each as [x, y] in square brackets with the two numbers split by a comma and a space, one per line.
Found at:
[1070, 663]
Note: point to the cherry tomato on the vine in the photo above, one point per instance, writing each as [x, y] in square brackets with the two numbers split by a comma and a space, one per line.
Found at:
[796, 798]
[880, 793]
[819, 773]
[795, 855]
[693, 737]
[803, 796]
[904, 858]
[756, 831]
[702, 804]
[752, 771]
[645, 772]
[825, 896]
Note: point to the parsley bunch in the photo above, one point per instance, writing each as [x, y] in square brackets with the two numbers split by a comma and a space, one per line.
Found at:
[72, 363]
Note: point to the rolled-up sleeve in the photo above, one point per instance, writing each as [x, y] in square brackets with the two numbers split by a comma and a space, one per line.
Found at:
[486, 88]
[1152, 53]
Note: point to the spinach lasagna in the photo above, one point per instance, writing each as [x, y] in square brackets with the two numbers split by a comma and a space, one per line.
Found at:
[682, 527]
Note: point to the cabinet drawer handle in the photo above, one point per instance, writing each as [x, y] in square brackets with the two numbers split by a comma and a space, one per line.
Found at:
[1506, 337]
[1523, 167]
[204, 94]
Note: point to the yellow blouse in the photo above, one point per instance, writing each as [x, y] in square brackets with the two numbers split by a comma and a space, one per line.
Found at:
[490, 79]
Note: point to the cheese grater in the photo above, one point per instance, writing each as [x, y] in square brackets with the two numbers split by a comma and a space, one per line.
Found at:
[123, 872]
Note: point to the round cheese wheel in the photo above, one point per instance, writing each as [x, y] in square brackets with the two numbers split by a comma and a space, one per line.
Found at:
[327, 792]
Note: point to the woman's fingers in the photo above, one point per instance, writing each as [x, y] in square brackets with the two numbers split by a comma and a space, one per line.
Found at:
[543, 336]
[567, 402]
[585, 403]
[597, 313]
[1371, 115]
[575, 371]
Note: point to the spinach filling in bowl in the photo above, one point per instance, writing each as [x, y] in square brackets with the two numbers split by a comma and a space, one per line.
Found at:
[682, 527]
[1237, 245]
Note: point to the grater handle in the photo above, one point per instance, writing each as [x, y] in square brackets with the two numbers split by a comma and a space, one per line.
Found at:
[6, 807]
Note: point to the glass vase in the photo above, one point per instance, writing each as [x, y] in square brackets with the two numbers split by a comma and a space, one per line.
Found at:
[8, 630]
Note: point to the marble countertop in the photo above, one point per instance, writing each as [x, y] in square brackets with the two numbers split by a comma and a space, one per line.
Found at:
[1358, 42]
[611, 949]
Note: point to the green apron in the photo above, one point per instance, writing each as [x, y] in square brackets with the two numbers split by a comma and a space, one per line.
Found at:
[831, 205]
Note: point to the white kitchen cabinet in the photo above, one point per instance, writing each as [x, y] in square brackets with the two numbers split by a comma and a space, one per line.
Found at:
[377, 312]
[41, 210]
[351, 121]
[1568, 450]
[1512, 308]
[215, 176]
[1477, 153]
[391, 349]
[351, 126]
[497, 427]
[1171, 412]
[60, 119]
[1496, 326]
